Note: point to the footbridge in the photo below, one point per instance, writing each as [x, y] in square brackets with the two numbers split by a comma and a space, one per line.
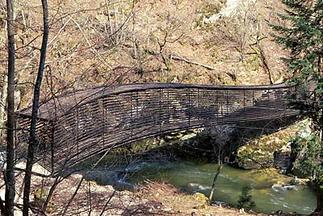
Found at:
[78, 125]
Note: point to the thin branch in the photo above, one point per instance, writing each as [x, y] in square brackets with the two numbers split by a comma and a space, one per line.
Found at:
[90, 45]
[107, 202]
[73, 196]
[179, 58]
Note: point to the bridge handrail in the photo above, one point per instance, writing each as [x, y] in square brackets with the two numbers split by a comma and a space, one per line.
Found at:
[104, 91]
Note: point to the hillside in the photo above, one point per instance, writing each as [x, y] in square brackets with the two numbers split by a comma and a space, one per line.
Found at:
[114, 42]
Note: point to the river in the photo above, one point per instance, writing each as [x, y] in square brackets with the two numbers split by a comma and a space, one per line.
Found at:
[191, 176]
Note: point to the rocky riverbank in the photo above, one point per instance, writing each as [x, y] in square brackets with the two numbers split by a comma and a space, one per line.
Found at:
[271, 150]
[77, 196]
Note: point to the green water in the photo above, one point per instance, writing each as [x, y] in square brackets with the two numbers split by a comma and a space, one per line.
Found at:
[193, 177]
[197, 177]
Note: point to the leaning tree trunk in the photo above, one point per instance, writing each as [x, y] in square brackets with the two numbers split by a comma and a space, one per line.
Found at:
[218, 171]
[35, 107]
[9, 173]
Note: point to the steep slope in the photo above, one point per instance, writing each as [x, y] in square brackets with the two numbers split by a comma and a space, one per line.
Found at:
[113, 42]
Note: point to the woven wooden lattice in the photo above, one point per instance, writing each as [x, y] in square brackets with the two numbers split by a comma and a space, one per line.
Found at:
[78, 125]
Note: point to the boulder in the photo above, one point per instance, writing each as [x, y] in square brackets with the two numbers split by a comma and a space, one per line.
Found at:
[202, 201]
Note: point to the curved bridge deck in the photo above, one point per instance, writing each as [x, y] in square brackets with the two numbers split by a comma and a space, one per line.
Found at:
[81, 124]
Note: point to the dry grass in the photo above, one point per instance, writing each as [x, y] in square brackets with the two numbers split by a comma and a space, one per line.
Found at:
[185, 204]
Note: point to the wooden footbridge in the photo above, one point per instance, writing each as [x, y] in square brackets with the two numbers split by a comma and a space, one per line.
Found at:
[78, 125]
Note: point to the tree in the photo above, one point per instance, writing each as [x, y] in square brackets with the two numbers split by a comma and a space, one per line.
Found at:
[9, 173]
[304, 40]
[35, 107]
[303, 37]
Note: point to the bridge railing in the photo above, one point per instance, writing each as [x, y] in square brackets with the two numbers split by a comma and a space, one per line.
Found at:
[111, 117]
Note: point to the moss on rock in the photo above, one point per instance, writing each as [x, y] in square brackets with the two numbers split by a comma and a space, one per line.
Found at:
[259, 153]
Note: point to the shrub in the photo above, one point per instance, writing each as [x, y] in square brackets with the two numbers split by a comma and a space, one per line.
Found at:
[245, 200]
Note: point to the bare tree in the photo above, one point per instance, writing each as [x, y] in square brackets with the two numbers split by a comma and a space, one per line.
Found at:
[221, 136]
[9, 173]
[35, 107]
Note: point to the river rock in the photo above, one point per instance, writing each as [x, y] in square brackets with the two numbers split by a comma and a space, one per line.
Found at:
[220, 203]
[192, 187]
[188, 136]
[259, 152]
[37, 168]
[282, 188]
[299, 181]
[250, 158]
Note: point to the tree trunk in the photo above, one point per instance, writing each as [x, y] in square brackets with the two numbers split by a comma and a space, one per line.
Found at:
[214, 181]
[9, 173]
[3, 106]
[35, 107]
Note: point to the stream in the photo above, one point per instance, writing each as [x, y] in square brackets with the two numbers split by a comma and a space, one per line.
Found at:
[191, 177]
